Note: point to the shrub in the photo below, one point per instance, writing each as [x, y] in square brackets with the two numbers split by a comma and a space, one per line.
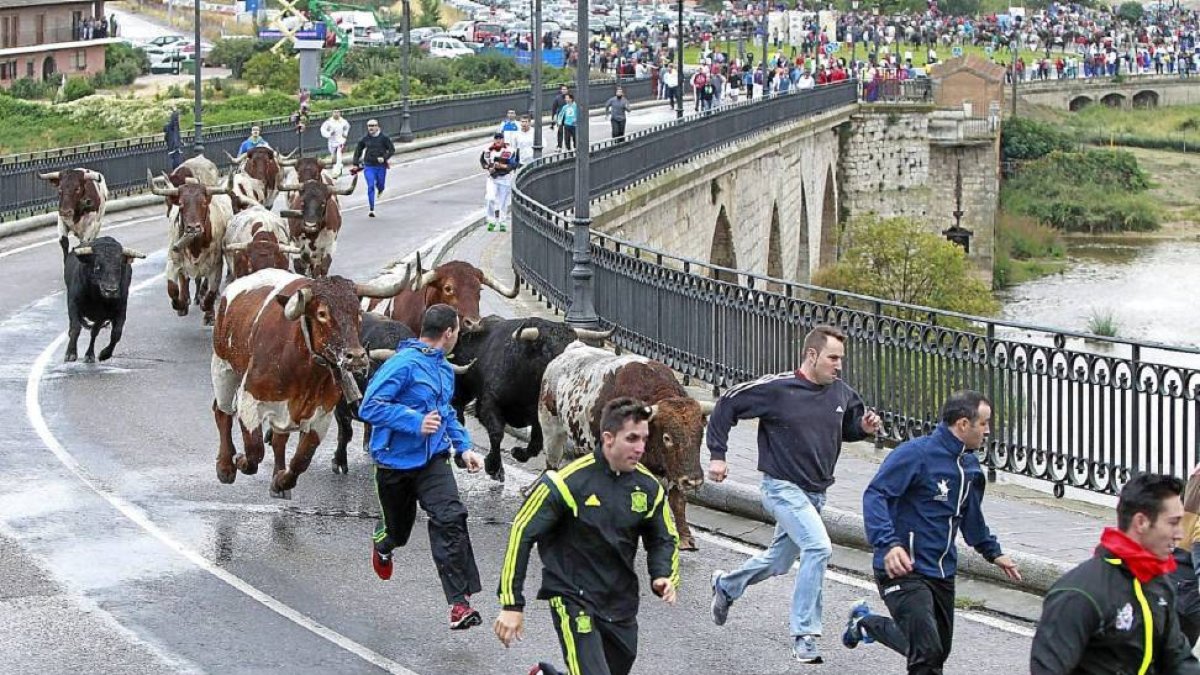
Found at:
[378, 89]
[76, 88]
[481, 68]
[269, 70]
[234, 53]
[1025, 139]
[119, 54]
[30, 89]
[1102, 322]
[431, 13]
[433, 73]
[1131, 11]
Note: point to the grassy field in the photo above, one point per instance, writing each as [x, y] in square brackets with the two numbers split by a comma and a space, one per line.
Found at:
[1178, 123]
[1175, 176]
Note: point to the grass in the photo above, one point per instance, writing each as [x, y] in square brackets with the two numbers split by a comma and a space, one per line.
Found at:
[967, 603]
[1174, 123]
[1026, 250]
[1102, 322]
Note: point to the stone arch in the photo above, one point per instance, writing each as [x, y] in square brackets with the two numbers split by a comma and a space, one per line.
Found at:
[1079, 103]
[803, 274]
[723, 253]
[829, 225]
[1146, 99]
[49, 68]
[774, 249]
[1114, 100]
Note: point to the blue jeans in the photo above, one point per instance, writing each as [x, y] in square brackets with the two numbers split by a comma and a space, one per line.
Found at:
[799, 532]
[375, 181]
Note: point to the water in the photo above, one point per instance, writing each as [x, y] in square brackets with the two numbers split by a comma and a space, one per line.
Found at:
[1151, 289]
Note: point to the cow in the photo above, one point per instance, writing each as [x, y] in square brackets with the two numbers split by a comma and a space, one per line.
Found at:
[578, 384]
[314, 220]
[285, 351]
[509, 357]
[455, 283]
[258, 176]
[306, 169]
[198, 168]
[82, 198]
[196, 235]
[256, 239]
[97, 276]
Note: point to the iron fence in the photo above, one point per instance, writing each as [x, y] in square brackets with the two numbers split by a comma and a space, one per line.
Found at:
[124, 162]
[1074, 409]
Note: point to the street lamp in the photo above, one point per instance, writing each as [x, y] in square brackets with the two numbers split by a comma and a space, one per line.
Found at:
[582, 312]
[536, 86]
[198, 56]
[679, 64]
[854, 36]
[1014, 47]
[406, 134]
[766, 24]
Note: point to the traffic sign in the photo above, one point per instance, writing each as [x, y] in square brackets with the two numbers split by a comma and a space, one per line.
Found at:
[957, 51]
[832, 48]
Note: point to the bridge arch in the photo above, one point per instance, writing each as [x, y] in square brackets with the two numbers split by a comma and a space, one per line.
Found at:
[1079, 103]
[1114, 100]
[775, 248]
[829, 224]
[803, 273]
[723, 253]
[1146, 99]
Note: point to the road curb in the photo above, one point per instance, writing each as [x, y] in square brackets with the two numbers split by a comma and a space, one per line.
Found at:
[23, 225]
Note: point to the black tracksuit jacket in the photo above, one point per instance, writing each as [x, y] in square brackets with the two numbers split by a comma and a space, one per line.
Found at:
[371, 148]
[586, 521]
[1094, 623]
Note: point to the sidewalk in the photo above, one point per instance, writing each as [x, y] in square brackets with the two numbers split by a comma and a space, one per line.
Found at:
[1047, 536]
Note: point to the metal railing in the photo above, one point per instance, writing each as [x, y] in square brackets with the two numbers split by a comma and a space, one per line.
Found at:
[1074, 409]
[124, 162]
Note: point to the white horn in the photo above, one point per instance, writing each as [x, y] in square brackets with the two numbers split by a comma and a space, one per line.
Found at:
[653, 411]
[237, 248]
[290, 249]
[82, 250]
[381, 354]
[462, 370]
[526, 334]
[383, 289]
[132, 253]
[53, 175]
[594, 335]
[706, 407]
[295, 306]
[499, 288]
[349, 190]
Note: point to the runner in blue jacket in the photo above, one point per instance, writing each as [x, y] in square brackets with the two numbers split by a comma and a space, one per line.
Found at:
[415, 431]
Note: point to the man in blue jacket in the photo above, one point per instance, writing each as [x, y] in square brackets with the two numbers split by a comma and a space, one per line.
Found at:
[415, 431]
[912, 509]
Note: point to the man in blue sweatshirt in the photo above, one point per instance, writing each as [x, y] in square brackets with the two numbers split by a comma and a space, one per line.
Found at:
[925, 489]
[803, 417]
[415, 431]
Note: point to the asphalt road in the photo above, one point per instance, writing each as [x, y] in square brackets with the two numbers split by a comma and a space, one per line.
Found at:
[121, 553]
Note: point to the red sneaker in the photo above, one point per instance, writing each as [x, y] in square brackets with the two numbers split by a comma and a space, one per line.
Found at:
[463, 617]
[381, 563]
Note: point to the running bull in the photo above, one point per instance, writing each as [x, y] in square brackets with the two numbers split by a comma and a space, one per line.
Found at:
[82, 198]
[455, 283]
[574, 390]
[196, 237]
[97, 276]
[314, 220]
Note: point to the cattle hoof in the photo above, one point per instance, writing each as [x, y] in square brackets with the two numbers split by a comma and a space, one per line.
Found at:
[339, 467]
[521, 454]
[208, 319]
[245, 466]
[493, 465]
[688, 545]
[281, 494]
[460, 462]
[71, 356]
[181, 311]
[226, 475]
[89, 358]
[498, 475]
[105, 354]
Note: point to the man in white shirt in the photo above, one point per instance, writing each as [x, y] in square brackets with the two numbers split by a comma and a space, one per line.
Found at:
[335, 130]
[523, 141]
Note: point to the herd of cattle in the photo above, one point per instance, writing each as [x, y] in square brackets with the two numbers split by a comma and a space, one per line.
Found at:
[293, 347]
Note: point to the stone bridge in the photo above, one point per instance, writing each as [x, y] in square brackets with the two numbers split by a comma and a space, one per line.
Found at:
[1131, 92]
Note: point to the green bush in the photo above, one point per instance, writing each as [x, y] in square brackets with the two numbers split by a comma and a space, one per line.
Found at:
[1025, 139]
[30, 89]
[1131, 11]
[433, 72]
[431, 13]
[378, 89]
[234, 53]
[119, 54]
[481, 68]
[76, 88]
[269, 70]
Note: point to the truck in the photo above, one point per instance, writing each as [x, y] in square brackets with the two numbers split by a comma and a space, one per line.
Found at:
[361, 26]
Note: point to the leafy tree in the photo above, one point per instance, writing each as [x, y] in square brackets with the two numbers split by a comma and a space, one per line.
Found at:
[431, 14]
[486, 67]
[29, 89]
[1131, 11]
[77, 88]
[269, 70]
[901, 260]
[233, 54]
[1025, 139]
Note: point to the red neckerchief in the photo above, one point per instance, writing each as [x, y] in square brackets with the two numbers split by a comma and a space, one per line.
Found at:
[1144, 564]
[801, 376]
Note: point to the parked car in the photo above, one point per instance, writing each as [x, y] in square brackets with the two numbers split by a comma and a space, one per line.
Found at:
[168, 62]
[448, 48]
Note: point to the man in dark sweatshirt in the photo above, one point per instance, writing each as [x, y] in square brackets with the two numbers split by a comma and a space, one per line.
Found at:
[803, 417]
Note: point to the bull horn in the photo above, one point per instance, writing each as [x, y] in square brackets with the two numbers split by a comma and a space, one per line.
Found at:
[510, 293]
[132, 253]
[236, 248]
[245, 201]
[290, 213]
[461, 370]
[53, 175]
[161, 192]
[349, 190]
[235, 160]
[290, 250]
[381, 289]
[324, 165]
[290, 187]
[216, 191]
[284, 162]
[527, 334]
[94, 176]
[594, 335]
[381, 354]
[82, 250]
[706, 407]
[294, 309]
[289, 155]
[653, 412]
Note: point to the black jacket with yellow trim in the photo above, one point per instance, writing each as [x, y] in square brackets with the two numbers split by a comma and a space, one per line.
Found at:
[586, 520]
[1094, 622]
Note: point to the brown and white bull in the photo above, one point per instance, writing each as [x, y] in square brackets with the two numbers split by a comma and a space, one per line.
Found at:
[257, 239]
[195, 240]
[285, 351]
[306, 168]
[582, 379]
[82, 198]
[199, 168]
[258, 175]
[455, 283]
[314, 220]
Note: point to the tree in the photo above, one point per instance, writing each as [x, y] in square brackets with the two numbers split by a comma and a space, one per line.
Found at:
[1131, 11]
[269, 70]
[431, 14]
[233, 54]
[900, 260]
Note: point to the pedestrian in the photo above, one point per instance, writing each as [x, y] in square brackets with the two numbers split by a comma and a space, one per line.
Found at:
[586, 520]
[1115, 613]
[803, 416]
[509, 126]
[671, 82]
[523, 141]
[174, 140]
[559, 101]
[567, 117]
[617, 109]
[335, 130]
[371, 156]
[1187, 555]
[415, 433]
[499, 159]
[255, 140]
[912, 509]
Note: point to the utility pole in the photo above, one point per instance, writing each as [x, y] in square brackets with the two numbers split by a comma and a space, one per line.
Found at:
[582, 312]
[536, 67]
[198, 55]
[679, 63]
[406, 133]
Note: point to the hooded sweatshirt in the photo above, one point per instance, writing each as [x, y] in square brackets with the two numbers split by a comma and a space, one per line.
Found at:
[410, 385]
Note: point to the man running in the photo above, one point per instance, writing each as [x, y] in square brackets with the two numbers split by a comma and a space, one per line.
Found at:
[415, 433]
[586, 520]
[803, 417]
[617, 108]
[371, 155]
[499, 160]
[335, 130]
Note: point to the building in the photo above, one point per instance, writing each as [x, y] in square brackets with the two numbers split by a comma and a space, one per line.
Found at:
[42, 38]
[967, 82]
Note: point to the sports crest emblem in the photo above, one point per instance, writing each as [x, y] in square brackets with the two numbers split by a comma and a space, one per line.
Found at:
[638, 502]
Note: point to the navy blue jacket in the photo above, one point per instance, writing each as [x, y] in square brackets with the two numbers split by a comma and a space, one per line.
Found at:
[408, 386]
[924, 491]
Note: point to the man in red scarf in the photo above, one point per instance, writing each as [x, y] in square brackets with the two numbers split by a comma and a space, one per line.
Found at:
[1116, 612]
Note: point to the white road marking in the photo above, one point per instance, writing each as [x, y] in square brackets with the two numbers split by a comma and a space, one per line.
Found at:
[26, 247]
[135, 514]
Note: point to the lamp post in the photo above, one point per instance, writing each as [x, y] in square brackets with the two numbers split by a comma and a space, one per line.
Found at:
[406, 134]
[536, 66]
[582, 312]
[198, 56]
[679, 63]
[766, 23]
[855, 32]
[1012, 71]
[957, 234]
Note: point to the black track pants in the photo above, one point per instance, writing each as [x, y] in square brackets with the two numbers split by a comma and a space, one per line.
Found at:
[922, 623]
[593, 646]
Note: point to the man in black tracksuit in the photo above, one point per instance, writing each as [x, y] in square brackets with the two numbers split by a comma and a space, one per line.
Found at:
[1097, 617]
[559, 102]
[586, 520]
[371, 155]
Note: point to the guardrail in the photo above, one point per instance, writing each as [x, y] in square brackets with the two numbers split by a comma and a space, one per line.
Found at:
[1070, 408]
[124, 162]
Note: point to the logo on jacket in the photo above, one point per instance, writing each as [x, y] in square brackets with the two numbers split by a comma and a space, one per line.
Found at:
[840, 410]
[943, 487]
[638, 503]
[592, 501]
[583, 624]
[1125, 618]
